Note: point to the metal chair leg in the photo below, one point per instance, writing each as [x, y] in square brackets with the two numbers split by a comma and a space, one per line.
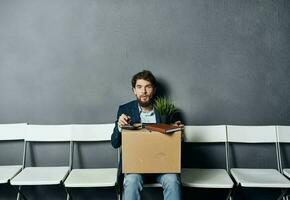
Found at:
[234, 191]
[229, 194]
[283, 194]
[68, 193]
[20, 194]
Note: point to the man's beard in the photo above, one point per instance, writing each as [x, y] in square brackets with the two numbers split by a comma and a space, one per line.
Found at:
[145, 104]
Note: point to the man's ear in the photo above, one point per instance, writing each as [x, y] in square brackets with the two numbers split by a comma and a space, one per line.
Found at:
[134, 91]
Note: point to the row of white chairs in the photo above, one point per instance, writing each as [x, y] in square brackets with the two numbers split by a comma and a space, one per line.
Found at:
[227, 178]
[20, 175]
[233, 178]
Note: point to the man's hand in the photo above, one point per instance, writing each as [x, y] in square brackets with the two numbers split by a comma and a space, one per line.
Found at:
[124, 120]
[179, 124]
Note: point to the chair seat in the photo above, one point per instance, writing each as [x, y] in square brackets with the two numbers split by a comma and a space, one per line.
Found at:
[206, 178]
[263, 178]
[152, 185]
[286, 172]
[104, 177]
[40, 176]
[7, 172]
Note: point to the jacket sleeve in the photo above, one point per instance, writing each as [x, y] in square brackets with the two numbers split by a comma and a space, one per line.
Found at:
[176, 116]
[116, 135]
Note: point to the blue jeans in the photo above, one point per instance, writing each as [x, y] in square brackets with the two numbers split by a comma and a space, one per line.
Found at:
[133, 185]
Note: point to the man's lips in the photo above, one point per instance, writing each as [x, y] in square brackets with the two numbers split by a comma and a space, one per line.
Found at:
[144, 97]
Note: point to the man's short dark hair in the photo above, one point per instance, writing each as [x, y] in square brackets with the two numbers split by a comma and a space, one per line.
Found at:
[145, 75]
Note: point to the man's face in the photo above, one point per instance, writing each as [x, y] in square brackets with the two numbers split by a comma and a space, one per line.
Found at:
[144, 91]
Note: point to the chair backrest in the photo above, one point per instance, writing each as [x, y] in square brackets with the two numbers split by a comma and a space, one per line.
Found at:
[48, 133]
[13, 131]
[283, 137]
[205, 147]
[283, 134]
[254, 146]
[251, 134]
[205, 134]
[92, 147]
[92, 132]
[51, 134]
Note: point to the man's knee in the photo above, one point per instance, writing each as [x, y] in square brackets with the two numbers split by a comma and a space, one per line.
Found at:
[170, 180]
[133, 180]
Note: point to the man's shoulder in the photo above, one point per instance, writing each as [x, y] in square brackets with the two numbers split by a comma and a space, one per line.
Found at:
[128, 105]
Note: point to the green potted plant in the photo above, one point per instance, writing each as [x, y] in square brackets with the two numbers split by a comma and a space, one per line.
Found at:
[165, 108]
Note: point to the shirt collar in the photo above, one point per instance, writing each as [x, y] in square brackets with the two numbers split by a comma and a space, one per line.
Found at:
[150, 113]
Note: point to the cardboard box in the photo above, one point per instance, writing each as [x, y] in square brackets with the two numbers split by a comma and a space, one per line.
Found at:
[146, 151]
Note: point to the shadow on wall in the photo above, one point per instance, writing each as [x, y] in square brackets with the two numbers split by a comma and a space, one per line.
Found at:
[164, 91]
[162, 88]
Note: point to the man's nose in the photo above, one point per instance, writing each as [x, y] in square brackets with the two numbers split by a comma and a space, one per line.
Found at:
[144, 91]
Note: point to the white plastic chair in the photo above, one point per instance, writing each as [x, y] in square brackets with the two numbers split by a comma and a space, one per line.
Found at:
[257, 177]
[206, 178]
[97, 177]
[52, 175]
[283, 137]
[10, 132]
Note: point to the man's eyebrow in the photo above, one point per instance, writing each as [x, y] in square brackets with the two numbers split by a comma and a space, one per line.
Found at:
[144, 85]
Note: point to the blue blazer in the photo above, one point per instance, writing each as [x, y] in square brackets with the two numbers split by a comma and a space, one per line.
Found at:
[131, 109]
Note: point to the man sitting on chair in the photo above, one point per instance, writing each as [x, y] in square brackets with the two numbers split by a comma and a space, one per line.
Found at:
[141, 110]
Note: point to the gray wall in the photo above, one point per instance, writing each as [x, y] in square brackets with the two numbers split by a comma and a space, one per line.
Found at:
[71, 61]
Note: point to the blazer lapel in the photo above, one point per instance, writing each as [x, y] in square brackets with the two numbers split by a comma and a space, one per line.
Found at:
[157, 115]
[135, 113]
